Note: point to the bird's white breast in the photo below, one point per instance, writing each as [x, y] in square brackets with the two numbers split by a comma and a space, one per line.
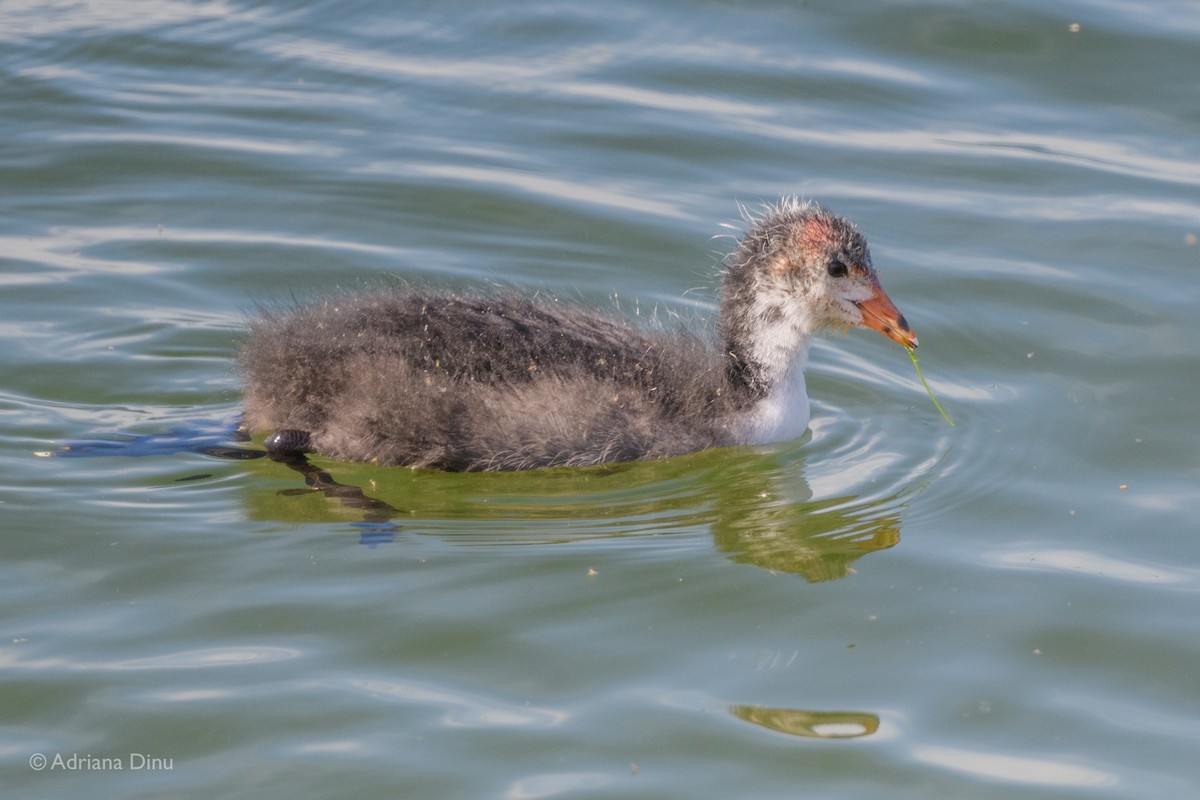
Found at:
[780, 416]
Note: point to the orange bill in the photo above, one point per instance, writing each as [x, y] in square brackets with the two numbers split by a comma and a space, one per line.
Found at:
[880, 314]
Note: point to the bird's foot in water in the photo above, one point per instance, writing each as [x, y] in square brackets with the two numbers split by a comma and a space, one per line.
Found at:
[207, 436]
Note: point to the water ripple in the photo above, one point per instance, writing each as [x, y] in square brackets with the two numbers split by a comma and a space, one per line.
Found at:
[20, 19]
[462, 709]
[1082, 562]
[1014, 769]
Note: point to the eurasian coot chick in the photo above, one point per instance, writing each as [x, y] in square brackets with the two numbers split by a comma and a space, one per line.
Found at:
[501, 381]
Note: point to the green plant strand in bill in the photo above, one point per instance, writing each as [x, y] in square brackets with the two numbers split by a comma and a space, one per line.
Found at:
[913, 355]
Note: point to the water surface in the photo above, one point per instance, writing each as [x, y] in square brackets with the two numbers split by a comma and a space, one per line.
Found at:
[1006, 608]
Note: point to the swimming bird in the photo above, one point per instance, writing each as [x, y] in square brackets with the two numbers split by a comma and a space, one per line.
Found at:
[502, 380]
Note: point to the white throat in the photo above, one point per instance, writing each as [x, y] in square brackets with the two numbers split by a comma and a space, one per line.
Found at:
[784, 413]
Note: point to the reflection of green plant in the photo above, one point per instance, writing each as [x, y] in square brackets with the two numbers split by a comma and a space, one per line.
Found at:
[814, 724]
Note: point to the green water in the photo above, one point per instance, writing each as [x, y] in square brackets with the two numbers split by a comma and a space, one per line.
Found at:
[889, 607]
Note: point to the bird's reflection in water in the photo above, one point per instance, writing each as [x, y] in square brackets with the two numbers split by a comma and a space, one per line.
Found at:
[817, 539]
[759, 510]
[378, 524]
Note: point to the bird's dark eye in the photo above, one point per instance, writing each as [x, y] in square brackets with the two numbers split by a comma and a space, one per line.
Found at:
[837, 268]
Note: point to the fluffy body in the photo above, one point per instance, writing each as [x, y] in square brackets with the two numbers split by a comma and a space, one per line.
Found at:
[473, 382]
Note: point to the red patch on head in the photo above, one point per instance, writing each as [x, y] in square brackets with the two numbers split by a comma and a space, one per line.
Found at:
[817, 234]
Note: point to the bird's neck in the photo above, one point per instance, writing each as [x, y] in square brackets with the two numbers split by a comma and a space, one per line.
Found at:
[766, 354]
